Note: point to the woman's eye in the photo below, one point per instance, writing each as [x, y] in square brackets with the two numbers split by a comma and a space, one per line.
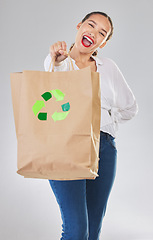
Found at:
[102, 34]
[91, 25]
[99, 32]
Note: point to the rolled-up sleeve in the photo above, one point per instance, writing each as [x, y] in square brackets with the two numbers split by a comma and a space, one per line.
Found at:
[125, 106]
[61, 67]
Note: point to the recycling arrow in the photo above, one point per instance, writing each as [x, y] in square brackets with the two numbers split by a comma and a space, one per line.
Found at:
[56, 116]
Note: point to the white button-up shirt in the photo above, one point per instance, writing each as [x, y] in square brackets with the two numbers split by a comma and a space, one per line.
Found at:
[118, 103]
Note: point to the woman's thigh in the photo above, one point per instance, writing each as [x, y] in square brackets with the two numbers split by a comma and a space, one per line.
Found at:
[98, 190]
[71, 197]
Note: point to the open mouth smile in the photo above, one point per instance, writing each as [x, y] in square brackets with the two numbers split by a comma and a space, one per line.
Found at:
[87, 41]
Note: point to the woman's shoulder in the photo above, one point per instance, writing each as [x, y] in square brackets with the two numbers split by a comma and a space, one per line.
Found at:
[106, 61]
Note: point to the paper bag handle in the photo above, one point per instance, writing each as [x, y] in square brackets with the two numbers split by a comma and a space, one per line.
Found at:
[53, 61]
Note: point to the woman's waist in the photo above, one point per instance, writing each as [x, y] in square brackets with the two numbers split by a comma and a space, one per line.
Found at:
[106, 117]
[105, 134]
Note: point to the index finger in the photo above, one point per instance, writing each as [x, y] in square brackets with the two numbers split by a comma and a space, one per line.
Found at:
[64, 46]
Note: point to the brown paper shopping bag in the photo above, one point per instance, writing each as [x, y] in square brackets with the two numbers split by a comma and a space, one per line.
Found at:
[57, 120]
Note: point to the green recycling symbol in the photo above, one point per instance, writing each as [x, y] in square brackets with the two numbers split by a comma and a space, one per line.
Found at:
[57, 116]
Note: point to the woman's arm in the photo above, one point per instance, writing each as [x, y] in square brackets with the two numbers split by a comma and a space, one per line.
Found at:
[61, 67]
[125, 106]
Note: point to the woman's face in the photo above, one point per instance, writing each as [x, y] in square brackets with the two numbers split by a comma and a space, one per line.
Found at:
[92, 33]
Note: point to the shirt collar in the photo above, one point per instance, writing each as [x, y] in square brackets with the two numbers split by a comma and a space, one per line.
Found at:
[98, 60]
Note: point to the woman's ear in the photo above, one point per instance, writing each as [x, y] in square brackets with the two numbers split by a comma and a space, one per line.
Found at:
[103, 44]
[79, 25]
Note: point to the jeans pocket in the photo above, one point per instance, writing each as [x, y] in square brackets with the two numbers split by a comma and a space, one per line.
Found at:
[111, 140]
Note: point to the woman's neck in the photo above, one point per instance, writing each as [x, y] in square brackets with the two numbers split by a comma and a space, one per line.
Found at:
[80, 57]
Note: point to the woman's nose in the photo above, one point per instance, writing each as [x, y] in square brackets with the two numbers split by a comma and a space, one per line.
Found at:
[92, 35]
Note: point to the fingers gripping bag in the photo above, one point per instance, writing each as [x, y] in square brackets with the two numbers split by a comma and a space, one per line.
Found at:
[57, 122]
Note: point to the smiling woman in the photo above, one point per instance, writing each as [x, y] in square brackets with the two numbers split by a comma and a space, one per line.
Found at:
[93, 24]
[105, 31]
[83, 202]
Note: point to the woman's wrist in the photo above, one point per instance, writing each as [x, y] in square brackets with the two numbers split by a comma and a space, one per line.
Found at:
[58, 63]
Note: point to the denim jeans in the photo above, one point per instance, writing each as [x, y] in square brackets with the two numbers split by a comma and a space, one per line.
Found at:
[83, 203]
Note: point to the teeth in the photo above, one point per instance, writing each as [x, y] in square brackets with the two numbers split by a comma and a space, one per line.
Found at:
[88, 39]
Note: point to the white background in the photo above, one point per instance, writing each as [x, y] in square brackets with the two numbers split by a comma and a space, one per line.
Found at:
[28, 209]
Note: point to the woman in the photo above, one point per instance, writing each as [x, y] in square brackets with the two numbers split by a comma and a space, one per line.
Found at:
[83, 202]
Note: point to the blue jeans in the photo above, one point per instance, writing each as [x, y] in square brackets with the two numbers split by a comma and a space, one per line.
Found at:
[83, 202]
